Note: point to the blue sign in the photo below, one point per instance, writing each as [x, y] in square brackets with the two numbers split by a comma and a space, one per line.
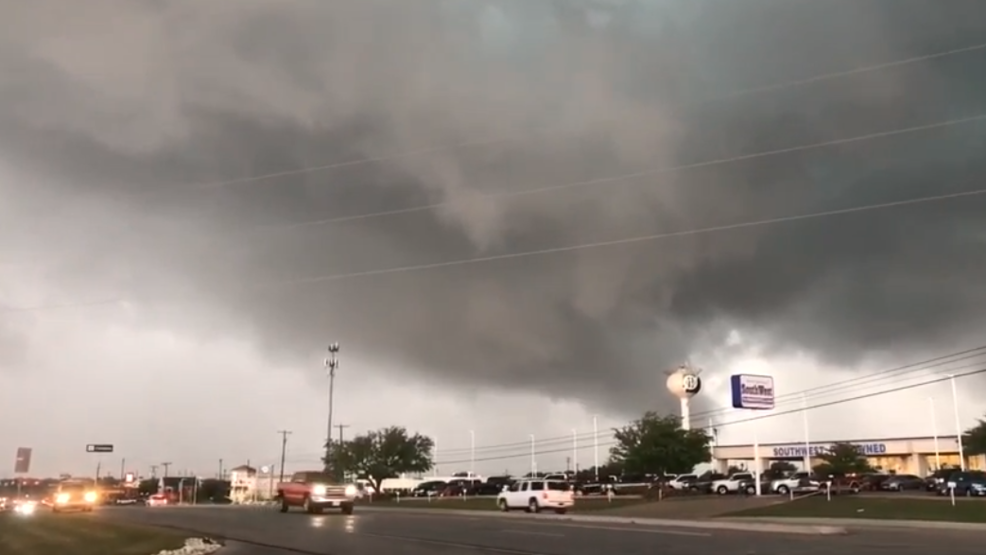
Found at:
[752, 392]
[817, 450]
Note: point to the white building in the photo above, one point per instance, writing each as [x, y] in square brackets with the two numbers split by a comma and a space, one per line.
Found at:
[248, 484]
[914, 455]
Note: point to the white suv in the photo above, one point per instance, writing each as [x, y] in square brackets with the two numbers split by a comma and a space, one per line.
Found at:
[682, 482]
[731, 484]
[535, 495]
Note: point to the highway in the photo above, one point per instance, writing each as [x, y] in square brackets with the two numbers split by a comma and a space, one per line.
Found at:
[403, 532]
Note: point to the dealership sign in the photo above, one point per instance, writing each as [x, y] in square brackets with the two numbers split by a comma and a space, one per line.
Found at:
[793, 451]
[752, 392]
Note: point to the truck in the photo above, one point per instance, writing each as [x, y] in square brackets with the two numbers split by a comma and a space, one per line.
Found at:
[315, 491]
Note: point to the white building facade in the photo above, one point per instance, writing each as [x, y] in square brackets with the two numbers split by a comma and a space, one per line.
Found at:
[917, 455]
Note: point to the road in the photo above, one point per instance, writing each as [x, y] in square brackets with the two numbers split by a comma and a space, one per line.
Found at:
[403, 532]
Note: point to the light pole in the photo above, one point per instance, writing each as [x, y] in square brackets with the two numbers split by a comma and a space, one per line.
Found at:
[472, 453]
[595, 446]
[331, 365]
[804, 418]
[575, 451]
[934, 432]
[534, 464]
[958, 423]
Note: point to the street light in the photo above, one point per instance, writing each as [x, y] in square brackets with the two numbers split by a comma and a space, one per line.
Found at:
[575, 451]
[472, 453]
[534, 463]
[934, 431]
[331, 365]
[958, 423]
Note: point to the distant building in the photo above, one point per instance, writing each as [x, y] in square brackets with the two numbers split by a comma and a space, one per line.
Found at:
[911, 455]
[248, 484]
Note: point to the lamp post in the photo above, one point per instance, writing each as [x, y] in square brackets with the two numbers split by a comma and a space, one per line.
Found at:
[934, 432]
[331, 365]
[958, 423]
[534, 463]
[472, 453]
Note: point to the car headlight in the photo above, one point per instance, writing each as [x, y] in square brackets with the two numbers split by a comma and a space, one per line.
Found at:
[62, 498]
[350, 491]
[90, 497]
[319, 490]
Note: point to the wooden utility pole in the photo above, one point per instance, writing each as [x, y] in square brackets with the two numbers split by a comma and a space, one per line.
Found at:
[284, 448]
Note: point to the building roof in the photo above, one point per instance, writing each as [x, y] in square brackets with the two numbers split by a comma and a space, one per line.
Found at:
[243, 468]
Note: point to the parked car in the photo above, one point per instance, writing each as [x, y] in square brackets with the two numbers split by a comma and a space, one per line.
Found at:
[935, 480]
[902, 482]
[535, 495]
[797, 482]
[970, 483]
[682, 482]
[429, 489]
[703, 484]
[732, 484]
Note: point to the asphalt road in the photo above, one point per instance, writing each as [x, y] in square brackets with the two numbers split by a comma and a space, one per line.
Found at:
[404, 533]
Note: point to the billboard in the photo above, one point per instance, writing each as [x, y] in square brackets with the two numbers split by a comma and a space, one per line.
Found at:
[22, 464]
[752, 392]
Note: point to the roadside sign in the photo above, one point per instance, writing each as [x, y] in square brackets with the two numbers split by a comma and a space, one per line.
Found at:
[99, 448]
[752, 392]
[22, 464]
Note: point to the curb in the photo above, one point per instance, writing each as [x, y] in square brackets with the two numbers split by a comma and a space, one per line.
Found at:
[740, 526]
[868, 523]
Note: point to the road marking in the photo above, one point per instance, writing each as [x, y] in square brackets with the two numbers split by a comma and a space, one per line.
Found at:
[639, 530]
[533, 533]
[443, 543]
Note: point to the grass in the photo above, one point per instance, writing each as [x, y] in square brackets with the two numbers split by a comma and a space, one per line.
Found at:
[582, 504]
[44, 533]
[965, 510]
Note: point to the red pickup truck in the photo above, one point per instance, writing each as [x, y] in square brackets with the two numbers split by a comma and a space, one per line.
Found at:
[315, 491]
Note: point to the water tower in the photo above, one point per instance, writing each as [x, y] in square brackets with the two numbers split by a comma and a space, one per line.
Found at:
[684, 383]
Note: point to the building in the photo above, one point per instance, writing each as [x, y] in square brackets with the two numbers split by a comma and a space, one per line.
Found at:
[912, 455]
[248, 484]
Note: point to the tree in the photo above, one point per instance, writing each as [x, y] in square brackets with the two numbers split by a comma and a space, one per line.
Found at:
[658, 445]
[974, 439]
[384, 453]
[843, 458]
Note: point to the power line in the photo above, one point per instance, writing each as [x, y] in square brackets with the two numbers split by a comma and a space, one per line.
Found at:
[560, 250]
[497, 140]
[626, 241]
[638, 174]
[851, 384]
[746, 420]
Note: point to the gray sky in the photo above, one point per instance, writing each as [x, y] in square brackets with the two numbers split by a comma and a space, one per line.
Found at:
[134, 137]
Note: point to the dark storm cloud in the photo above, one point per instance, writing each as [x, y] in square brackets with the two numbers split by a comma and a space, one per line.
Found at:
[118, 107]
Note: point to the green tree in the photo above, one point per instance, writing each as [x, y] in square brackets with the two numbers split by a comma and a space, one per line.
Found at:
[843, 458]
[974, 439]
[384, 453]
[658, 445]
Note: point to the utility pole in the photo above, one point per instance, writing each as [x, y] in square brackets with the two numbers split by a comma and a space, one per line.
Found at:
[220, 469]
[331, 365]
[284, 447]
[123, 468]
[341, 427]
[166, 465]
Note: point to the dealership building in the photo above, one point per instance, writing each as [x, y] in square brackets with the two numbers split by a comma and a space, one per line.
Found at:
[911, 455]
